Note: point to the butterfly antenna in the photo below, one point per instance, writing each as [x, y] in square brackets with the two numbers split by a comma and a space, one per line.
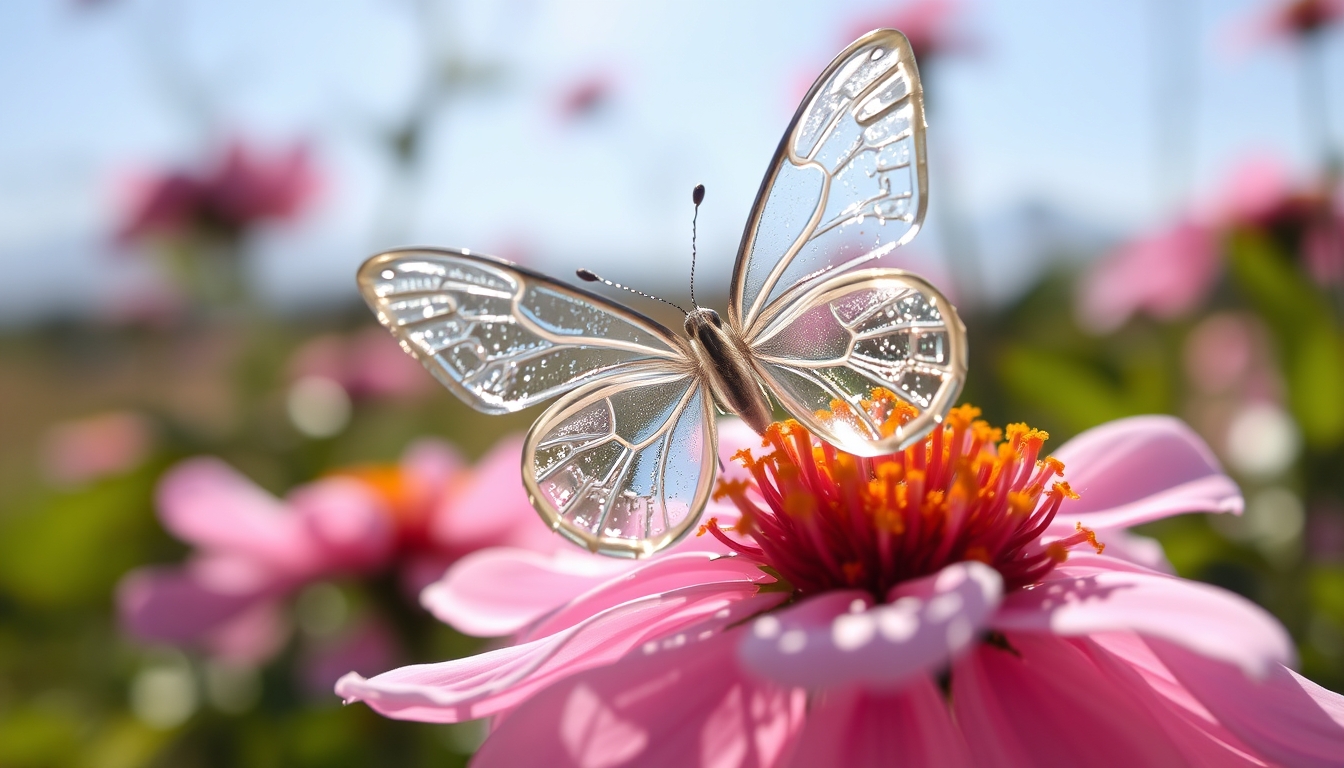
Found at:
[593, 277]
[697, 197]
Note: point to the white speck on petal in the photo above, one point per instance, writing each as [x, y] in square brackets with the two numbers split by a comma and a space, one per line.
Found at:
[766, 627]
[959, 633]
[949, 579]
[897, 626]
[793, 641]
[858, 605]
[944, 607]
[850, 632]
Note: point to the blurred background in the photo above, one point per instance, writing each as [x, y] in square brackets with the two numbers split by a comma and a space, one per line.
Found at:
[1136, 206]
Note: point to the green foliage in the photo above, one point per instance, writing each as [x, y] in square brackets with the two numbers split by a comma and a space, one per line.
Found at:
[1305, 330]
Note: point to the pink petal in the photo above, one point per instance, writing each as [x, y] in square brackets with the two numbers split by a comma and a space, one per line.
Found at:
[347, 521]
[687, 705]
[206, 502]
[1164, 274]
[669, 572]
[251, 638]
[857, 728]
[1132, 666]
[1143, 468]
[1045, 703]
[491, 508]
[179, 605]
[494, 681]
[1285, 717]
[500, 590]
[839, 638]
[433, 463]
[1097, 594]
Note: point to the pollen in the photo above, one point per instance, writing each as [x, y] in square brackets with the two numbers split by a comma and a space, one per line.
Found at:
[825, 519]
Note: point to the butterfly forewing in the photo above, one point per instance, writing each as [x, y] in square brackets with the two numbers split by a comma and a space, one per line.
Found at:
[625, 466]
[500, 337]
[857, 333]
[847, 184]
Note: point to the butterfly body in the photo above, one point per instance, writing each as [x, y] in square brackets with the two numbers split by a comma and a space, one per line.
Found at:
[624, 462]
[724, 361]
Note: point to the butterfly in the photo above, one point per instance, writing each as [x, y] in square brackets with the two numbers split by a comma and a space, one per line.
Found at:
[625, 461]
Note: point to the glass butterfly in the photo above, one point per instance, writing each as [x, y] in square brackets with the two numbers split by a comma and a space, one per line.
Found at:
[624, 463]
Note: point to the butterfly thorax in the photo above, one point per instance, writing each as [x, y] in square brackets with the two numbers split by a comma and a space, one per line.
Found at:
[723, 360]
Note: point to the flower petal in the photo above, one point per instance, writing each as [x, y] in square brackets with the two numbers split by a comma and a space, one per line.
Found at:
[183, 604]
[500, 590]
[492, 509]
[1131, 664]
[205, 502]
[859, 728]
[674, 571]
[347, 521]
[1045, 703]
[1134, 470]
[839, 638]
[1097, 594]
[682, 706]
[1285, 717]
[491, 682]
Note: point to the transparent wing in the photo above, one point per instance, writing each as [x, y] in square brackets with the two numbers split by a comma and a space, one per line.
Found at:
[624, 466]
[856, 339]
[847, 184]
[502, 337]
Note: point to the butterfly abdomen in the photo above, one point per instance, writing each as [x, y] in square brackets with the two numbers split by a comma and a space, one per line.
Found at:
[724, 362]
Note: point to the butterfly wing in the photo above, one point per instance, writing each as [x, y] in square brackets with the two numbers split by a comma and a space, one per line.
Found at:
[847, 184]
[863, 336]
[624, 466]
[500, 336]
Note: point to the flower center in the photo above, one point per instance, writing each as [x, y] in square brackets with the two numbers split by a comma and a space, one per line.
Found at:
[825, 519]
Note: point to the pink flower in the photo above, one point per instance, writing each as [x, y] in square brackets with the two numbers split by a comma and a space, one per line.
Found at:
[253, 550]
[930, 25]
[585, 97]
[78, 452]
[1288, 20]
[940, 606]
[368, 363]
[240, 190]
[1164, 275]
[1171, 272]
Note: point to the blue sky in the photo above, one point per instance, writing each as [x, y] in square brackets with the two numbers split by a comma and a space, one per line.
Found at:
[1059, 108]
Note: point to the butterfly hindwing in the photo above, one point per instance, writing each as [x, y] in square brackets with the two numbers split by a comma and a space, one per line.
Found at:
[501, 337]
[847, 184]
[624, 466]
[848, 338]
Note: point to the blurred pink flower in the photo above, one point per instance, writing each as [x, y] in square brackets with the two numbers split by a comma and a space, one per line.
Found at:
[1286, 20]
[253, 550]
[1171, 272]
[1164, 275]
[585, 97]
[367, 363]
[239, 190]
[78, 452]
[922, 608]
[930, 25]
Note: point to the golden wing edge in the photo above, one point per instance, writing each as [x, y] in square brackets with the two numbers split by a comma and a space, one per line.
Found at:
[737, 313]
[369, 273]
